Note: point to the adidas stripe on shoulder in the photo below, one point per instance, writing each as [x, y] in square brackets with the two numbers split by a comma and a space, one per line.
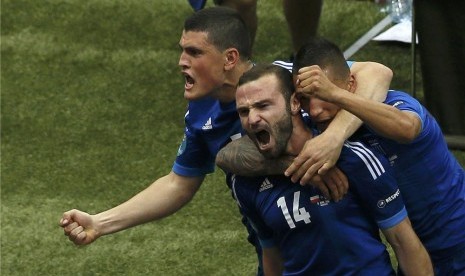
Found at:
[368, 157]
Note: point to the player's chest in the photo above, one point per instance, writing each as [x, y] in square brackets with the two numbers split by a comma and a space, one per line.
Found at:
[286, 207]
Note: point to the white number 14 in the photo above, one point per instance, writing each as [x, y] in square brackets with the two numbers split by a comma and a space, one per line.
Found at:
[299, 213]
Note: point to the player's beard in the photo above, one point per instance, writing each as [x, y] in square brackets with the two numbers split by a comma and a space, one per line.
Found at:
[281, 131]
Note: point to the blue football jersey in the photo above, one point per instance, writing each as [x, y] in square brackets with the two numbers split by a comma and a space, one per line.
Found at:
[210, 125]
[320, 237]
[431, 180]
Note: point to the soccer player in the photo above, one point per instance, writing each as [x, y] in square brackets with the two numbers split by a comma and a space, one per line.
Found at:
[430, 179]
[215, 51]
[301, 232]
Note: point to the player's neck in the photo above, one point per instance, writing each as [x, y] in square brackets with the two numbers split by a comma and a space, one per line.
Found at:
[227, 92]
[300, 135]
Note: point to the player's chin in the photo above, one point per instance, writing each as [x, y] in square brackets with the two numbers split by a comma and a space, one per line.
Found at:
[195, 93]
[190, 95]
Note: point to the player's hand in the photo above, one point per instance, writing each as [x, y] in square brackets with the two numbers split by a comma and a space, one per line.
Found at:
[317, 156]
[312, 81]
[79, 227]
[333, 184]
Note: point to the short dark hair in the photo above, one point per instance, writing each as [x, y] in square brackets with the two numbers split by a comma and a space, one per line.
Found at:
[225, 29]
[283, 75]
[322, 52]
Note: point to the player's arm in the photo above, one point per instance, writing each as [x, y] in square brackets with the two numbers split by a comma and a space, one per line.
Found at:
[242, 157]
[322, 153]
[272, 261]
[162, 198]
[411, 255]
[384, 119]
[373, 181]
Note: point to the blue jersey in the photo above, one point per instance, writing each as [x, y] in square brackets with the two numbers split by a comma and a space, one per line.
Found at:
[431, 181]
[320, 237]
[210, 125]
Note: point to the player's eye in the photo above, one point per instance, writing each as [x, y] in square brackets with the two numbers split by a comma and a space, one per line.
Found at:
[243, 112]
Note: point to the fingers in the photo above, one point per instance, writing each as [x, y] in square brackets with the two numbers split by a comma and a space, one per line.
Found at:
[64, 222]
[340, 179]
[76, 233]
[324, 190]
[325, 168]
[337, 183]
[318, 183]
[336, 193]
[303, 168]
[66, 218]
[77, 226]
[72, 229]
[334, 185]
[293, 167]
[305, 172]
[309, 69]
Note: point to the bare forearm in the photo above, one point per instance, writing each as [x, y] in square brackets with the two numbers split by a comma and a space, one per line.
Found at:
[242, 157]
[411, 254]
[384, 119]
[343, 126]
[162, 198]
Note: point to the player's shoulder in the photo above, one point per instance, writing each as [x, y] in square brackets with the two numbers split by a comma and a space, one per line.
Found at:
[359, 158]
[396, 97]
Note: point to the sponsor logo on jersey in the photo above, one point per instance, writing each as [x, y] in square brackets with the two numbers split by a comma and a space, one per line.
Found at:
[319, 200]
[383, 202]
[266, 184]
[208, 124]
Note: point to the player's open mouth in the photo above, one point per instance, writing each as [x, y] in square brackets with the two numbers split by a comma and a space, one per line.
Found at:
[263, 138]
[189, 81]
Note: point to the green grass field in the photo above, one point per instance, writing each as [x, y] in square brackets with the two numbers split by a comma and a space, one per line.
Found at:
[92, 112]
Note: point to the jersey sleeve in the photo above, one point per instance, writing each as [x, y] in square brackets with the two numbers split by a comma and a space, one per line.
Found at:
[193, 157]
[372, 181]
[244, 194]
[405, 102]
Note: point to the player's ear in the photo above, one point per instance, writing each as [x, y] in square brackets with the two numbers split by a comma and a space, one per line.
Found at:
[231, 58]
[295, 104]
[351, 84]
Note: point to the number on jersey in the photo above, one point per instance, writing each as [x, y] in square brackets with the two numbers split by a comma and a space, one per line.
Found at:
[300, 214]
